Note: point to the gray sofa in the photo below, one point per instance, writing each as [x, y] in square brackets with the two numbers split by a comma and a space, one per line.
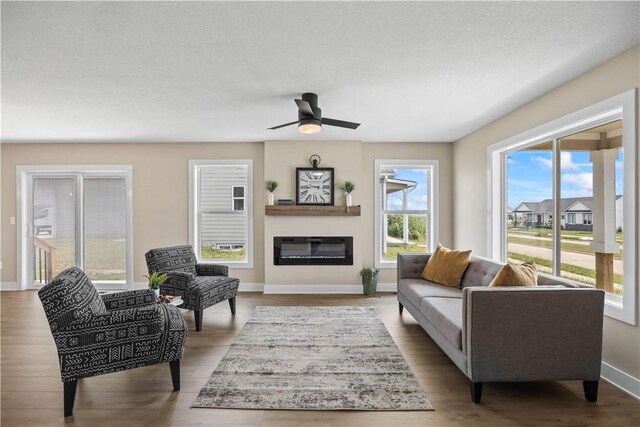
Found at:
[501, 334]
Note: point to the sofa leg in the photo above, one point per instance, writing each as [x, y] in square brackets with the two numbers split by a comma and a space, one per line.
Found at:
[400, 307]
[197, 314]
[69, 397]
[476, 391]
[590, 390]
[232, 305]
[175, 374]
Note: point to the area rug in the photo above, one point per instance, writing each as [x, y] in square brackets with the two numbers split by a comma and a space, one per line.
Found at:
[315, 358]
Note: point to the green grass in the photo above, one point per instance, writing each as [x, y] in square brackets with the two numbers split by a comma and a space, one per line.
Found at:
[393, 251]
[211, 253]
[105, 258]
[565, 234]
[569, 247]
[566, 268]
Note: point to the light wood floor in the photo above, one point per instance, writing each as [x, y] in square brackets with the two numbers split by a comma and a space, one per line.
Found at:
[32, 390]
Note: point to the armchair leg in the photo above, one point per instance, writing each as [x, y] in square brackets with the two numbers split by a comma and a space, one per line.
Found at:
[590, 390]
[69, 397]
[232, 305]
[400, 307]
[198, 317]
[175, 374]
[476, 391]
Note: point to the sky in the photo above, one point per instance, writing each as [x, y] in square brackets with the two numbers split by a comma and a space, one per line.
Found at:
[529, 175]
[417, 197]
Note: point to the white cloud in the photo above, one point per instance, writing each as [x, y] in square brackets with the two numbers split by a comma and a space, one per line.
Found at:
[394, 203]
[566, 162]
[543, 161]
[581, 182]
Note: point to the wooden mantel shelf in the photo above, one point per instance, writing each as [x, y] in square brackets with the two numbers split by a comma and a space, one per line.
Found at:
[307, 210]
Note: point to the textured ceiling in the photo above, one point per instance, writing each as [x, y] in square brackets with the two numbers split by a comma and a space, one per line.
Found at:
[218, 71]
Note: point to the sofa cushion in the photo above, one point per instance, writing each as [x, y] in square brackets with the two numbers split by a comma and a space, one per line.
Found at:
[446, 315]
[416, 289]
[516, 275]
[446, 266]
[480, 272]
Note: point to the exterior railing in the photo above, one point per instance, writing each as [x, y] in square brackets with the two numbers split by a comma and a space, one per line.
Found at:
[43, 261]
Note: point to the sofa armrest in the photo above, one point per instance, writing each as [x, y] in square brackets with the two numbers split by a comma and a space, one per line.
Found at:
[410, 266]
[129, 299]
[532, 334]
[212, 269]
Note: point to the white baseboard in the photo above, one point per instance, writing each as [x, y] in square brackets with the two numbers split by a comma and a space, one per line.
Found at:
[10, 286]
[621, 380]
[251, 287]
[324, 289]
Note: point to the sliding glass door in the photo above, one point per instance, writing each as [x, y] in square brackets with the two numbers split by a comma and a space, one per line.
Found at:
[77, 219]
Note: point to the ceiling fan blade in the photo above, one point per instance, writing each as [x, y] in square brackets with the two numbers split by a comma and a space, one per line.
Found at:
[281, 126]
[339, 123]
[304, 107]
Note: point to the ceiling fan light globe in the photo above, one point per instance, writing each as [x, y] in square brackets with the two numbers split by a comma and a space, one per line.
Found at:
[309, 128]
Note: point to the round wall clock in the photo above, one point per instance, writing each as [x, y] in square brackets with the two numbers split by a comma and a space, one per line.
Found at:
[314, 186]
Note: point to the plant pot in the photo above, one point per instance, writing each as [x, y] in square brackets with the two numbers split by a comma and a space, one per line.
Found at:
[157, 292]
[370, 284]
[348, 200]
[271, 200]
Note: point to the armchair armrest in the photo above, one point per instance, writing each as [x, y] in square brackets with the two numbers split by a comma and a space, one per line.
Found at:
[532, 334]
[212, 269]
[118, 325]
[177, 282]
[129, 299]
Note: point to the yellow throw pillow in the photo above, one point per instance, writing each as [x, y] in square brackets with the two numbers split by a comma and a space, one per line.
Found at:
[446, 267]
[516, 275]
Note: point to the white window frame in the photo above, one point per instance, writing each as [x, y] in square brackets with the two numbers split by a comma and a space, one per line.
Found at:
[234, 198]
[571, 218]
[24, 178]
[620, 107]
[433, 205]
[586, 221]
[194, 234]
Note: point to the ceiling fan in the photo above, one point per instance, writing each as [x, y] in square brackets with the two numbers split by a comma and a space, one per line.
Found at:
[310, 118]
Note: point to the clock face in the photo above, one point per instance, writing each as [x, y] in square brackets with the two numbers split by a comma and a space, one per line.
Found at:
[314, 186]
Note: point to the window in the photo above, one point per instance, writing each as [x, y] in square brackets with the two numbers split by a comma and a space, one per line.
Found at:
[406, 201]
[221, 230]
[237, 197]
[76, 216]
[581, 165]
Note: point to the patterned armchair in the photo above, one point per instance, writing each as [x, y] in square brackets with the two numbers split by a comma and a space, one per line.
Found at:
[199, 285]
[97, 335]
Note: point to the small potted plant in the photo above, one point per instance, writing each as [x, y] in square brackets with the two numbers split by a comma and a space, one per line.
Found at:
[156, 280]
[271, 186]
[348, 187]
[369, 281]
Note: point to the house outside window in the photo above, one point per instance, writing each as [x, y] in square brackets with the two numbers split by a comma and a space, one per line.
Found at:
[237, 197]
[221, 227]
[406, 202]
[587, 219]
[571, 218]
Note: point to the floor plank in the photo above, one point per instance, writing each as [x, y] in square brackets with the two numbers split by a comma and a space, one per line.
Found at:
[32, 391]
